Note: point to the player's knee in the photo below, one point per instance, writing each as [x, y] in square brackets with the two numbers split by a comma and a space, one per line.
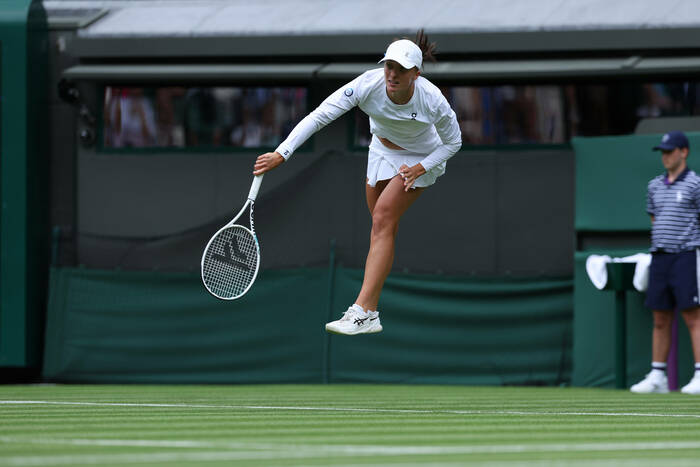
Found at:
[383, 221]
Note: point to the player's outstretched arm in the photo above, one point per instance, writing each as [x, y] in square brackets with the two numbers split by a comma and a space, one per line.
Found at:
[266, 162]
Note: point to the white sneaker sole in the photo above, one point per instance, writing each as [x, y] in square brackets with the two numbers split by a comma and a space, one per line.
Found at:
[354, 332]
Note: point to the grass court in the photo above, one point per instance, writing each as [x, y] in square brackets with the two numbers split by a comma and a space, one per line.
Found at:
[344, 425]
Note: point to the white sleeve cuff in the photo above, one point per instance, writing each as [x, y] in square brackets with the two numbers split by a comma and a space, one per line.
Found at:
[284, 151]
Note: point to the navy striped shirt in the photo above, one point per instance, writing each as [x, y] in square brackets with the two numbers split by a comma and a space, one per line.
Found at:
[675, 207]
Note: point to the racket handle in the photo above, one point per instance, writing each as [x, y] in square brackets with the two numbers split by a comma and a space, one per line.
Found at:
[255, 187]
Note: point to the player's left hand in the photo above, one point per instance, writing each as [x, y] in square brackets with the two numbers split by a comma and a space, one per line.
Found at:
[410, 174]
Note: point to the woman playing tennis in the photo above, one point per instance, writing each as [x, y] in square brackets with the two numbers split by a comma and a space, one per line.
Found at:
[414, 132]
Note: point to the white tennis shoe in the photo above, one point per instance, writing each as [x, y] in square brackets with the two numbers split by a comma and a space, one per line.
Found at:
[693, 387]
[356, 321]
[651, 384]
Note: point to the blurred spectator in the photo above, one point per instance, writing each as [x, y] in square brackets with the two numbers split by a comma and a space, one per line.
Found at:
[171, 132]
[129, 118]
[201, 125]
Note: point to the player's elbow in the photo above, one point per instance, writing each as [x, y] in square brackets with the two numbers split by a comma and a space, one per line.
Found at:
[454, 146]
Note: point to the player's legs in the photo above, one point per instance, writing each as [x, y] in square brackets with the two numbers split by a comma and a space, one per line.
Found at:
[372, 193]
[387, 201]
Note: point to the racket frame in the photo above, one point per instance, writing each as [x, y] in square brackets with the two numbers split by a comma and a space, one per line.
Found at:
[250, 202]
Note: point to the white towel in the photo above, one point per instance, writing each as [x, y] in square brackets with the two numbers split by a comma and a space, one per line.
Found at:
[641, 270]
[597, 270]
[641, 273]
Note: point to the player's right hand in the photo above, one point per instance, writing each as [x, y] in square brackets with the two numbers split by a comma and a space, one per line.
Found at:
[266, 162]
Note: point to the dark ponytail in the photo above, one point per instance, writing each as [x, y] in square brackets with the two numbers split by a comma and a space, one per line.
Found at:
[428, 48]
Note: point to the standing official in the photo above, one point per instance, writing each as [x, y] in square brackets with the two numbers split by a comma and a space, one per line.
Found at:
[673, 202]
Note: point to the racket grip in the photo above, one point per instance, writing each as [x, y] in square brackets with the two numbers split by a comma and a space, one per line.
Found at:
[257, 180]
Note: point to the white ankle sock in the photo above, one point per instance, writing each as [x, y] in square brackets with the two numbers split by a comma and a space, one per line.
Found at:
[658, 369]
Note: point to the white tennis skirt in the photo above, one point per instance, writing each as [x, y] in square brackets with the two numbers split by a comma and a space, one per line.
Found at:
[383, 164]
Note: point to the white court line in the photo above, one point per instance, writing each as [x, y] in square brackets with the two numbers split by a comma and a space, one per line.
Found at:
[272, 451]
[364, 449]
[312, 451]
[598, 462]
[347, 409]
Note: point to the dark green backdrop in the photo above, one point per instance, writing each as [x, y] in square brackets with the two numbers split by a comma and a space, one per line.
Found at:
[108, 326]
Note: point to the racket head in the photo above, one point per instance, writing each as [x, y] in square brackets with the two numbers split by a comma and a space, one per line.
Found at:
[230, 262]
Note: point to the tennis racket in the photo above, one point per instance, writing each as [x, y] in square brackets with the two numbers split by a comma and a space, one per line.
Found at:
[231, 259]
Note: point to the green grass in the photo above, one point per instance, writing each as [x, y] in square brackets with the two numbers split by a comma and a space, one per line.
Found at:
[305, 425]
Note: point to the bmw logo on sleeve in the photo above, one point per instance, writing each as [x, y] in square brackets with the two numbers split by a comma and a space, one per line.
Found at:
[348, 92]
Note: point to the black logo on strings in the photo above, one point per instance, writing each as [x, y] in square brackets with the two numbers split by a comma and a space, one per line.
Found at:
[233, 255]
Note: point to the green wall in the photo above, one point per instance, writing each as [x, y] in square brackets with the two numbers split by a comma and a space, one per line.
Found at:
[612, 173]
[152, 327]
[23, 182]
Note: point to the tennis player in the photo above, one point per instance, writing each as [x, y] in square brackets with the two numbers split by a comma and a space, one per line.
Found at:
[414, 132]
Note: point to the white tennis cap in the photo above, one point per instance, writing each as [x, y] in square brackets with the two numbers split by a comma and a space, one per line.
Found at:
[405, 52]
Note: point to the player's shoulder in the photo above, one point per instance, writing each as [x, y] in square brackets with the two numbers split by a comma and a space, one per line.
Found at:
[373, 76]
[369, 80]
[431, 94]
[361, 87]
[428, 87]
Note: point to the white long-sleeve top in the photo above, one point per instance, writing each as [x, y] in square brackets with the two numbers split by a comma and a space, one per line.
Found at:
[426, 124]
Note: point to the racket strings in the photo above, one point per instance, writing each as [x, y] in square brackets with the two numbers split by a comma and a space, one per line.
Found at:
[231, 262]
